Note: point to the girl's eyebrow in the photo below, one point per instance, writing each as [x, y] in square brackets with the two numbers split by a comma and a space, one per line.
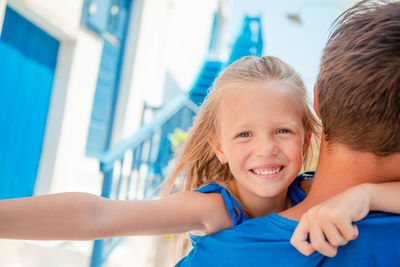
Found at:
[241, 127]
[290, 121]
[293, 124]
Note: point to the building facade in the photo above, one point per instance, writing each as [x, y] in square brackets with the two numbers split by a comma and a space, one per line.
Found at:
[75, 76]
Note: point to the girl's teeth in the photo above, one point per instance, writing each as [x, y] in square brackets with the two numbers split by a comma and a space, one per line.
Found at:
[266, 172]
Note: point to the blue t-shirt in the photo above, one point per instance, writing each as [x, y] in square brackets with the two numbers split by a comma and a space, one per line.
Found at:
[265, 242]
[294, 191]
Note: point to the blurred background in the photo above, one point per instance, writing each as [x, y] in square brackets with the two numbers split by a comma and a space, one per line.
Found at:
[95, 96]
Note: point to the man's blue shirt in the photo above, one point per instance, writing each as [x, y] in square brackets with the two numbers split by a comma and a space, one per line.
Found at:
[265, 242]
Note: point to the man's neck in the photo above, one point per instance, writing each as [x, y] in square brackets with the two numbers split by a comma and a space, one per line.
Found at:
[339, 169]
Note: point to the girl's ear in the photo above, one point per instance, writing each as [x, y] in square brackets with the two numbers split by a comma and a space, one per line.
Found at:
[217, 148]
[316, 103]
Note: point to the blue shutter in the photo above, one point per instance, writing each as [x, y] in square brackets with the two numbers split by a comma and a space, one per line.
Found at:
[104, 101]
[28, 59]
[117, 21]
[95, 14]
[106, 95]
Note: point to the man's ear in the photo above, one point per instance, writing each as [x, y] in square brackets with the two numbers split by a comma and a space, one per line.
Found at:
[316, 102]
[217, 148]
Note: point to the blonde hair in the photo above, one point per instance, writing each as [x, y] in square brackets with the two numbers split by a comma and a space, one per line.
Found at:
[196, 160]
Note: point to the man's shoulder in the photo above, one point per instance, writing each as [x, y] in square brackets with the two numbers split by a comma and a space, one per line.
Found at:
[263, 229]
[380, 219]
[377, 243]
[380, 226]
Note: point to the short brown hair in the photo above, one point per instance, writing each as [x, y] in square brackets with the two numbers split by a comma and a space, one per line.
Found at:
[359, 81]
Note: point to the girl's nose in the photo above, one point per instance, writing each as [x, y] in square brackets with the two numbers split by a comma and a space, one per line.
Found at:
[266, 148]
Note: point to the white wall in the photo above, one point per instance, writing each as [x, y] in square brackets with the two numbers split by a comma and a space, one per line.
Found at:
[61, 19]
[187, 38]
[2, 12]
[170, 44]
[73, 171]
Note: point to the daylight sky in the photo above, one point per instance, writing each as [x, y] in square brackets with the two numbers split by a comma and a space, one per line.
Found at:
[300, 45]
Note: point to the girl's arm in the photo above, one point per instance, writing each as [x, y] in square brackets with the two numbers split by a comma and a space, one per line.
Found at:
[82, 216]
[329, 224]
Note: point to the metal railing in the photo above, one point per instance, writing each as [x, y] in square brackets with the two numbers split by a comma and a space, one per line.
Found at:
[136, 167]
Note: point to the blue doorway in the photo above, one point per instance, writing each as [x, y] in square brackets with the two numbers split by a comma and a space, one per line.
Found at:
[28, 60]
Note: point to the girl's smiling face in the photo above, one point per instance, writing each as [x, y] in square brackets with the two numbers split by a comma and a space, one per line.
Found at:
[261, 136]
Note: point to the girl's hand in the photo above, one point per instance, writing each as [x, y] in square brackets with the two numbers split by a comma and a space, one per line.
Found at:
[329, 224]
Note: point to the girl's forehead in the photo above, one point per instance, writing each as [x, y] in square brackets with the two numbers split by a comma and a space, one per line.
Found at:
[261, 93]
[259, 103]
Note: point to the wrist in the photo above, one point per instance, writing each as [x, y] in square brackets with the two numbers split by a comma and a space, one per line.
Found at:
[368, 194]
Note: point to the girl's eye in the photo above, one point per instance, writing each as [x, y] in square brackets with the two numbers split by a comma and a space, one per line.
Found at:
[283, 131]
[244, 134]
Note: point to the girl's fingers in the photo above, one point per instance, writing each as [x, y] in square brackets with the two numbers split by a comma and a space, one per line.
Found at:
[318, 241]
[300, 238]
[326, 230]
[347, 229]
[333, 234]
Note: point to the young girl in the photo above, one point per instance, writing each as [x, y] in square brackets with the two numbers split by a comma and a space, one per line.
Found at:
[247, 145]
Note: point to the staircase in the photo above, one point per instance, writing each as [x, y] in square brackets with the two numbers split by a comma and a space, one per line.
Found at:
[207, 75]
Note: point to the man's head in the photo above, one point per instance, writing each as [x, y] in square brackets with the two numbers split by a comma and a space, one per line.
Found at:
[359, 81]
